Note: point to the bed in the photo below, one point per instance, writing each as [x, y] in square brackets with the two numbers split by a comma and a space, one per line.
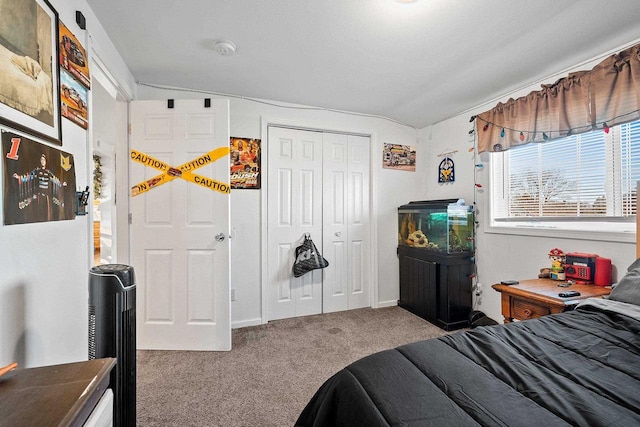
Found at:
[24, 85]
[575, 368]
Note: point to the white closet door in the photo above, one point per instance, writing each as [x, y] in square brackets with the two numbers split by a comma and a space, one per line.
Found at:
[294, 208]
[346, 225]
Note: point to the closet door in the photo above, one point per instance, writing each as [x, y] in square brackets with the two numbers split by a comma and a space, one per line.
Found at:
[346, 230]
[318, 183]
[294, 208]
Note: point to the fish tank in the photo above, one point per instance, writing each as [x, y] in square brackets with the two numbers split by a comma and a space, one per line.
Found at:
[443, 226]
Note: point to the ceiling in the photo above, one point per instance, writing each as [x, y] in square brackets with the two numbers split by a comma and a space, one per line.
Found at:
[417, 63]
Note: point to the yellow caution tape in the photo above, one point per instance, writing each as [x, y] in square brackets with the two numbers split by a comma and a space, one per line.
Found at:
[183, 171]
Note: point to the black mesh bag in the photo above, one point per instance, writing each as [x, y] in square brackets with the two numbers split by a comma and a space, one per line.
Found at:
[307, 258]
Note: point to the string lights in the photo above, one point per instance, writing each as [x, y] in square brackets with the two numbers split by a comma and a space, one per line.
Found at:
[478, 166]
[523, 134]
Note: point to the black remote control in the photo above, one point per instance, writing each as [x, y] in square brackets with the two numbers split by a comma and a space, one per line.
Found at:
[568, 294]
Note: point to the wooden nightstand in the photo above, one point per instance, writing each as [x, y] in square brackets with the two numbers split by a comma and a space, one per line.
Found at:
[538, 297]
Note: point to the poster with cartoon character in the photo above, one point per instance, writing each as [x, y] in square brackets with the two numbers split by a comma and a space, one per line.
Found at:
[39, 181]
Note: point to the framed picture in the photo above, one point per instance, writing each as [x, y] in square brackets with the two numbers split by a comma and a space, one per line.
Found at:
[29, 72]
[245, 163]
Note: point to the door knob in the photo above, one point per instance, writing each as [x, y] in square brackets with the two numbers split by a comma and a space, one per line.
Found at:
[219, 237]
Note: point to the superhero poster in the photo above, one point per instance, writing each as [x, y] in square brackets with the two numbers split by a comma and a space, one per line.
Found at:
[245, 163]
[39, 181]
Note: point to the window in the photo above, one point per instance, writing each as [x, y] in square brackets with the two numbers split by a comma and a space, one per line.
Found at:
[580, 179]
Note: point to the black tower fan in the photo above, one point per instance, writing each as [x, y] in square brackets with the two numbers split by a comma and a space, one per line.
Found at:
[112, 333]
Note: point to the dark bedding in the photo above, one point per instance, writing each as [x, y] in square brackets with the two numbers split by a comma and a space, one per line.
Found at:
[576, 368]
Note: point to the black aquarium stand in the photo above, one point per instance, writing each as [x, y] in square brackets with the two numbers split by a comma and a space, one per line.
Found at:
[436, 286]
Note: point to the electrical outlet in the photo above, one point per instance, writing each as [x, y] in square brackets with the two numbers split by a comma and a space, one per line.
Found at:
[233, 294]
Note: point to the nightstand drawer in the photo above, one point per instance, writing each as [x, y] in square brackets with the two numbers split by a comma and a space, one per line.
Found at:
[523, 309]
[538, 297]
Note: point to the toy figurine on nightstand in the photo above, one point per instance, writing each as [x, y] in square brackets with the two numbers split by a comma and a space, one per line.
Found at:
[557, 258]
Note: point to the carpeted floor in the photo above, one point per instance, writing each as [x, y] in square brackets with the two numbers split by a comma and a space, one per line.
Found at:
[271, 372]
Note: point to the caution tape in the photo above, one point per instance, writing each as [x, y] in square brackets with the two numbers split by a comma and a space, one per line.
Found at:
[183, 171]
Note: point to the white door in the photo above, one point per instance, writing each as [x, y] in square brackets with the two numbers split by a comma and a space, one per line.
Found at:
[294, 208]
[346, 222]
[317, 183]
[182, 269]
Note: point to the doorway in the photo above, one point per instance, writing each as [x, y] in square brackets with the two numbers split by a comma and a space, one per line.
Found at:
[111, 108]
[318, 183]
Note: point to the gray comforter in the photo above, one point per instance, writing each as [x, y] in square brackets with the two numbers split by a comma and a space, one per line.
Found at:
[577, 368]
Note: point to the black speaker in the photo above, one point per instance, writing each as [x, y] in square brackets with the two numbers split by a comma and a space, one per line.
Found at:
[112, 333]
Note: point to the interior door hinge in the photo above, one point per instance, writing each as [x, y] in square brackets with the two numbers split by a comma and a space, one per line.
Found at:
[129, 128]
[130, 218]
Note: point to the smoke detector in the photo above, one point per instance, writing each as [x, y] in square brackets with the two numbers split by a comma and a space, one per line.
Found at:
[225, 47]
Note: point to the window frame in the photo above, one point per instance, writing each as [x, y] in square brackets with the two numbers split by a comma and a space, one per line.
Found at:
[610, 228]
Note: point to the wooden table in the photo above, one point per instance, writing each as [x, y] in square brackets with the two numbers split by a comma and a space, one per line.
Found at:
[58, 395]
[538, 297]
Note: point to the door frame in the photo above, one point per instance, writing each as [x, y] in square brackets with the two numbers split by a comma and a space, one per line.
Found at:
[314, 126]
[122, 96]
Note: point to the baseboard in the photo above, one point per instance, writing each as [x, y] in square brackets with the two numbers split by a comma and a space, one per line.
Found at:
[244, 323]
[390, 303]
[258, 321]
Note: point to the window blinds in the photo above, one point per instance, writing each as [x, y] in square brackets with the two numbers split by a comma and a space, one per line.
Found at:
[587, 175]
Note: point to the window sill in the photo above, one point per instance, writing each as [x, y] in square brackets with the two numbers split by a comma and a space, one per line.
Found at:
[608, 233]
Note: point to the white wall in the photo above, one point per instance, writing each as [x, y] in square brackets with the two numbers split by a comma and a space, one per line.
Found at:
[43, 285]
[390, 189]
[503, 256]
